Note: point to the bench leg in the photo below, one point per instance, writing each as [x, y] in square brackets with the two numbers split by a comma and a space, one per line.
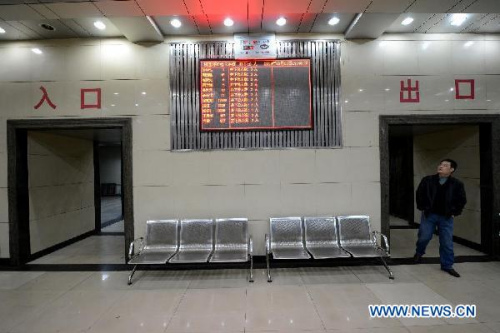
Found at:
[269, 278]
[251, 269]
[131, 275]
[391, 275]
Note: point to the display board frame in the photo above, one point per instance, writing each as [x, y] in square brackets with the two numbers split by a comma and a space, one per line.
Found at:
[185, 134]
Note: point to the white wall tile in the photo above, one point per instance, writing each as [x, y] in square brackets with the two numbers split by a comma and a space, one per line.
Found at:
[154, 202]
[491, 52]
[153, 167]
[4, 205]
[354, 55]
[332, 198]
[298, 199]
[436, 93]
[297, 166]
[468, 59]
[227, 201]
[83, 62]
[473, 193]
[262, 167]
[118, 97]
[192, 201]
[15, 100]
[151, 133]
[48, 66]
[332, 165]
[493, 92]
[14, 63]
[191, 168]
[363, 93]
[262, 201]
[153, 61]
[4, 240]
[361, 129]
[119, 60]
[366, 201]
[400, 57]
[152, 96]
[363, 165]
[226, 167]
[434, 57]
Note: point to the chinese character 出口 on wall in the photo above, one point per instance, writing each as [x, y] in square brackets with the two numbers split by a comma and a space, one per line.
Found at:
[410, 90]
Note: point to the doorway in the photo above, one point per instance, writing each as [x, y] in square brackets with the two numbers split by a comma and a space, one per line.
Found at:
[411, 147]
[55, 191]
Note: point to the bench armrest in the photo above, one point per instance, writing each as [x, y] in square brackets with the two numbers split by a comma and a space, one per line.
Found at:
[132, 247]
[382, 236]
[250, 246]
[268, 244]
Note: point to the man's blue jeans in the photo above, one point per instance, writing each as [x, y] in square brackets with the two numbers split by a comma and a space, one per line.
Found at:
[428, 224]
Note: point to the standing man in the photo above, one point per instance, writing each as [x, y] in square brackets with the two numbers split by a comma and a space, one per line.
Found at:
[440, 197]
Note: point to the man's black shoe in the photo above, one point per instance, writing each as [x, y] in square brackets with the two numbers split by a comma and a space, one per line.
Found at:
[452, 272]
[417, 258]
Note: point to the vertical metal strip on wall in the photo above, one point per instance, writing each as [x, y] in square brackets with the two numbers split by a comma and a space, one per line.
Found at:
[185, 94]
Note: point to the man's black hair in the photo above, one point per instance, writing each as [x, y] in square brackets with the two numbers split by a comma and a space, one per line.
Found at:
[453, 164]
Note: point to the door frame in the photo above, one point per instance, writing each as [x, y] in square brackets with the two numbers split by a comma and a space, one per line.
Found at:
[489, 129]
[18, 192]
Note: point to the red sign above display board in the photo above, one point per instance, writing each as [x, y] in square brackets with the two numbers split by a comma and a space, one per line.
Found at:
[255, 94]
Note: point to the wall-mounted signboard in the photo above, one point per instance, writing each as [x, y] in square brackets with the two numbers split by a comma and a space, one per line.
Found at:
[255, 46]
[255, 94]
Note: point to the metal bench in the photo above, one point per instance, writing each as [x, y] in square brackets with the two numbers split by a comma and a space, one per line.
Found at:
[232, 242]
[357, 238]
[196, 241]
[285, 241]
[192, 241]
[161, 244]
[321, 238]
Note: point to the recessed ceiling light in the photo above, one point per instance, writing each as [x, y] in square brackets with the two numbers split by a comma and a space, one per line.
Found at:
[99, 25]
[36, 51]
[407, 21]
[144, 93]
[47, 27]
[176, 23]
[458, 19]
[334, 20]
[228, 22]
[2, 30]
[281, 21]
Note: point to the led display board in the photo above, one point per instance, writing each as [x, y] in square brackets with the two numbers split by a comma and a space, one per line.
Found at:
[255, 94]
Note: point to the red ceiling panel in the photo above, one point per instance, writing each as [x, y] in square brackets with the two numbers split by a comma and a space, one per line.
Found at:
[237, 8]
[282, 7]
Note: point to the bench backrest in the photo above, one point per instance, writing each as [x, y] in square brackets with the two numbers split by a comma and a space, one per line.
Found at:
[162, 234]
[286, 232]
[321, 231]
[231, 233]
[354, 230]
[196, 233]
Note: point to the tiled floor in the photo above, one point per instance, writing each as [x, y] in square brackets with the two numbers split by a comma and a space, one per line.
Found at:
[91, 250]
[299, 300]
[403, 245]
[111, 209]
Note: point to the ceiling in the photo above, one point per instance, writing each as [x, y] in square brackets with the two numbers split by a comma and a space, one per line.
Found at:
[150, 20]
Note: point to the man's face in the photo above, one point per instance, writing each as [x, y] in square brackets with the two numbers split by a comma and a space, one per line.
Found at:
[445, 169]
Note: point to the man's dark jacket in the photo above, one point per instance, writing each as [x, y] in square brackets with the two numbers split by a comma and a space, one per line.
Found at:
[455, 195]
